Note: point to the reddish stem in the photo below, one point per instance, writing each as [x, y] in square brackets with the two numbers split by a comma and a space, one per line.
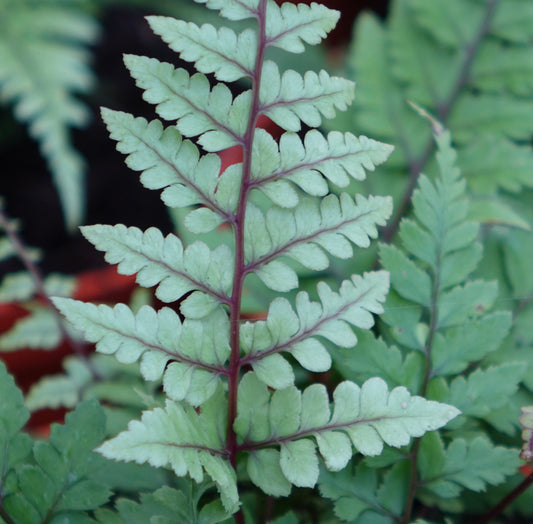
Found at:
[497, 510]
[238, 224]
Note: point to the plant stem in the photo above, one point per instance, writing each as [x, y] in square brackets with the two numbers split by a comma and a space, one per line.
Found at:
[239, 226]
[38, 281]
[507, 500]
[443, 111]
[5, 516]
[434, 312]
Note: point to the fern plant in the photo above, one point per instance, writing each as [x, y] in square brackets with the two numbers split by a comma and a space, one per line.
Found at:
[233, 410]
[441, 334]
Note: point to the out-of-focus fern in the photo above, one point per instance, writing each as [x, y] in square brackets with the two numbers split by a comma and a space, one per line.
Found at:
[467, 63]
[43, 65]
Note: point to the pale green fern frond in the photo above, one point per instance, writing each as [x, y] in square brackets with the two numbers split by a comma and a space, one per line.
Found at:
[219, 415]
[337, 157]
[363, 418]
[43, 63]
[197, 350]
[188, 442]
[163, 262]
[305, 233]
[230, 56]
[289, 98]
[168, 162]
[199, 110]
[295, 332]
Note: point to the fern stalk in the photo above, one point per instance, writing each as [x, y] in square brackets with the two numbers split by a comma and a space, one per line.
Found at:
[22, 252]
[416, 165]
[238, 224]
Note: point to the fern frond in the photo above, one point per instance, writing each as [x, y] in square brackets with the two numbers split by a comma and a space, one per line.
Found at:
[198, 109]
[165, 505]
[40, 330]
[294, 333]
[289, 25]
[337, 158]
[233, 9]
[60, 390]
[468, 342]
[188, 442]
[16, 287]
[359, 493]
[485, 390]
[13, 416]
[489, 164]
[464, 464]
[373, 357]
[60, 482]
[228, 55]
[43, 63]
[291, 98]
[305, 233]
[162, 261]
[168, 162]
[195, 349]
[364, 418]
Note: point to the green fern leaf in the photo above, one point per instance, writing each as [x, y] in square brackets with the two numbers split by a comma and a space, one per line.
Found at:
[337, 157]
[162, 261]
[459, 20]
[465, 302]
[167, 162]
[233, 9]
[390, 122]
[188, 442]
[290, 98]
[20, 286]
[198, 109]
[471, 465]
[512, 21]
[468, 342]
[42, 64]
[357, 495]
[289, 25]
[303, 234]
[363, 417]
[499, 114]
[59, 485]
[374, 357]
[220, 51]
[196, 349]
[485, 390]
[417, 61]
[15, 444]
[499, 68]
[489, 163]
[287, 331]
[164, 506]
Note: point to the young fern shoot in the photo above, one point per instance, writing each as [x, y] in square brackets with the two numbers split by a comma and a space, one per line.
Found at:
[230, 389]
